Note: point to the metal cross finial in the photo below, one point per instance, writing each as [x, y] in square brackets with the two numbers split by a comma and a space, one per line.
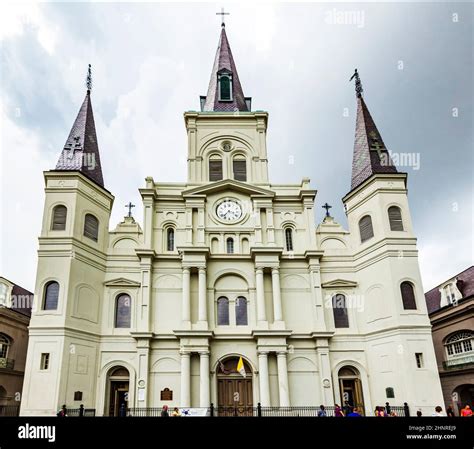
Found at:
[222, 14]
[129, 206]
[327, 207]
[358, 84]
[89, 79]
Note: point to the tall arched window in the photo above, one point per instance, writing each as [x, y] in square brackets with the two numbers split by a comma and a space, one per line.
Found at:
[215, 168]
[51, 295]
[225, 88]
[365, 228]
[289, 239]
[123, 311]
[91, 227]
[239, 167]
[170, 239]
[230, 245]
[408, 296]
[241, 316]
[341, 317]
[58, 223]
[222, 311]
[459, 344]
[395, 218]
[4, 346]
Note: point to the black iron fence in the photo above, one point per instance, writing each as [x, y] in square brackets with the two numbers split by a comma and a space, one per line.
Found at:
[79, 412]
[10, 410]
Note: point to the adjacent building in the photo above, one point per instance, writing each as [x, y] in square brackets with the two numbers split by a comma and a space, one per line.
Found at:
[451, 311]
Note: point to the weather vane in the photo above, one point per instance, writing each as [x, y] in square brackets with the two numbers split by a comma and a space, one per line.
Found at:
[89, 79]
[358, 84]
[222, 14]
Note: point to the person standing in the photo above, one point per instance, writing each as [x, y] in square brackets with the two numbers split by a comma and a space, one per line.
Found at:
[450, 412]
[354, 413]
[164, 412]
[176, 412]
[338, 413]
[438, 411]
[322, 411]
[63, 412]
[466, 411]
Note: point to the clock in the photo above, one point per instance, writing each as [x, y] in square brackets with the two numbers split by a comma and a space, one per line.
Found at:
[229, 210]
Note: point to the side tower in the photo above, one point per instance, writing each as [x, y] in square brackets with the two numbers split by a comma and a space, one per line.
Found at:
[64, 330]
[400, 355]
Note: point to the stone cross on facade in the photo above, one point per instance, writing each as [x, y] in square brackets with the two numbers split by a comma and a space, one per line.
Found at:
[129, 207]
[327, 207]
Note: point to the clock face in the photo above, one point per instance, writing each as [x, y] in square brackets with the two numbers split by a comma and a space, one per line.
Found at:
[229, 210]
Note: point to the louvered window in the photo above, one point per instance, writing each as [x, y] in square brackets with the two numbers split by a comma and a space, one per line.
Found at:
[240, 170]
[215, 170]
[59, 218]
[395, 218]
[408, 296]
[223, 311]
[51, 295]
[91, 227]
[241, 317]
[289, 239]
[341, 317]
[365, 228]
[225, 90]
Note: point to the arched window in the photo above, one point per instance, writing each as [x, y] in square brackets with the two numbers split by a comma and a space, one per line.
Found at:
[123, 311]
[230, 245]
[222, 311]
[341, 317]
[460, 344]
[51, 295]
[239, 167]
[170, 239]
[408, 296]
[4, 346]
[395, 218]
[289, 239]
[58, 223]
[91, 227]
[215, 168]
[241, 318]
[225, 90]
[365, 228]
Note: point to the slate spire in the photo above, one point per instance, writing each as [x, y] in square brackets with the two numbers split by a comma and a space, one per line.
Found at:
[81, 150]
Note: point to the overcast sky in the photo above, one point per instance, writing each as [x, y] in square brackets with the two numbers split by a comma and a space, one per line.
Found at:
[152, 61]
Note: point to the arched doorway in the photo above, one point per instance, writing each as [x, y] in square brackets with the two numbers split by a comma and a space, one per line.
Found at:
[118, 379]
[234, 391]
[463, 395]
[350, 388]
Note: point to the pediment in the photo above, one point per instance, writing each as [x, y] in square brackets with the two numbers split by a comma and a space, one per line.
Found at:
[228, 184]
[339, 283]
[122, 282]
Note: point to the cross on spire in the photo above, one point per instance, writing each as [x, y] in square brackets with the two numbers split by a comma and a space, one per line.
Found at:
[89, 79]
[129, 207]
[327, 207]
[222, 14]
[358, 84]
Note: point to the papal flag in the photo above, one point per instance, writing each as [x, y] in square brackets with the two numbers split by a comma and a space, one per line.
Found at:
[241, 368]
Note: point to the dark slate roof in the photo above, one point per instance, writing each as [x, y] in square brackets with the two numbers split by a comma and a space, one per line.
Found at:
[22, 292]
[370, 154]
[81, 150]
[465, 285]
[224, 61]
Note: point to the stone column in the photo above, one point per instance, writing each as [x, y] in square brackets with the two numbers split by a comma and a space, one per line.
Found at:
[186, 312]
[204, 392]
[258, 224]
[202, 296]
[263, 378]
[277, 309]
[185, 379]
[261, 313]
[283, 379]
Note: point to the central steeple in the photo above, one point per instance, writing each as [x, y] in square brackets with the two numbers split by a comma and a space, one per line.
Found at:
[225, 93]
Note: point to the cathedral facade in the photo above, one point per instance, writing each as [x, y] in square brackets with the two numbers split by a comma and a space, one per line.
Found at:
[227, 266]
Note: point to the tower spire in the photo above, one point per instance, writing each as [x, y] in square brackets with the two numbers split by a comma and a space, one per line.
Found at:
[81, 150]
[225, 92]
[370, 154]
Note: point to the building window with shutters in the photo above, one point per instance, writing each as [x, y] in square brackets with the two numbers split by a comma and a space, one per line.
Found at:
[241, 316]
[341, 317]
[365, 228]
[230, 245]
[170, 239]
[123, 311]
[223, 311]
[51, 295]
[225, 88]
[460, 344]
[395, 218]
[408, 295]
[4, 346]
[58, 223]
[215, 168]
[91, 227]
[239, 166]
[289, 239]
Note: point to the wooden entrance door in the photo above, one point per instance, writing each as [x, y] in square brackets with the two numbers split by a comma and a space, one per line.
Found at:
[235, 396]
[118, 396]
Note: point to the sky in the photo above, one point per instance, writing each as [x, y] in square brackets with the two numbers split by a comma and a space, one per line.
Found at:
[151, 61]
